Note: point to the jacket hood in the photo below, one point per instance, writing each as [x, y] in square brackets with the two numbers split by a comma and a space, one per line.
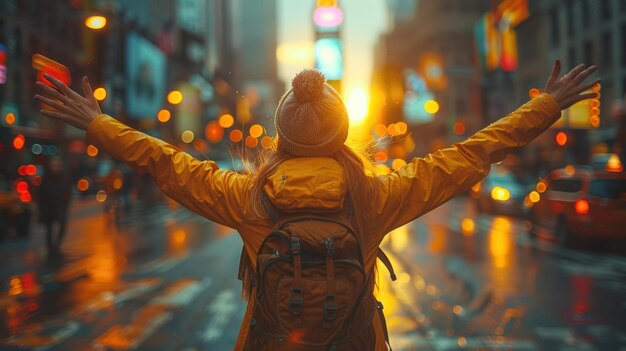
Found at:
[307, 183]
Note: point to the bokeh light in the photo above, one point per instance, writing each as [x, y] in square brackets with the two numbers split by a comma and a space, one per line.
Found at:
[92, 151]
[214, 132]
[380, 130]
[431, 106]
[235, 135]
[187, 136]
[561, 138]
[100, 94]
[82, 184]
[533, 93]
[467, 226]
[251, 142]
[397, 164]
[19, 141]
[101, 196]
[226, 120]
[267, 142]
[9, 118]
[96, 22]
[256, 130]
[175, 97]
[164, 116]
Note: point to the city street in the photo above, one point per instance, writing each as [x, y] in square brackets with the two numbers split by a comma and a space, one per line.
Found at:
[165, 279]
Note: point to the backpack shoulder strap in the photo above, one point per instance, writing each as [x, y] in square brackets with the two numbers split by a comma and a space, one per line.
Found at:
[382, 256]
[273, 213]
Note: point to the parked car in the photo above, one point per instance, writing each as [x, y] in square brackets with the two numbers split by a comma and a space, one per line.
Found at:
[501, 192]
[582, 202]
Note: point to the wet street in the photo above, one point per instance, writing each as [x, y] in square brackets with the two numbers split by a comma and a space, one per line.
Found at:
[165, 279]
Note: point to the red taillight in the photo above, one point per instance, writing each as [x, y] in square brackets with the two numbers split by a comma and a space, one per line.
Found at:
[582, 206]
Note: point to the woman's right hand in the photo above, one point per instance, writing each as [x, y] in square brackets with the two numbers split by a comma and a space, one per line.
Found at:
[69, 106]
[567, 90]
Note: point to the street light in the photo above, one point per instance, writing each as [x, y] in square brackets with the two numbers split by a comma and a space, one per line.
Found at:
[96, 22]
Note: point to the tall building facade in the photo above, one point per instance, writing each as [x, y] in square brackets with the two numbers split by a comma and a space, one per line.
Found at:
[576, 31]
[430, 57]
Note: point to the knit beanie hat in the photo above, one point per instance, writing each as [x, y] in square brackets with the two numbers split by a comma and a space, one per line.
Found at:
[311, 118]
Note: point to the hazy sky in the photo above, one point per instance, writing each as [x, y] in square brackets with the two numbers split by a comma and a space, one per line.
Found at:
[364, 21]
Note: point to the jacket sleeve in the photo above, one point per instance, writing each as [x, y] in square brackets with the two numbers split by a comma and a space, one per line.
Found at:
[425, 183]
[198, 185]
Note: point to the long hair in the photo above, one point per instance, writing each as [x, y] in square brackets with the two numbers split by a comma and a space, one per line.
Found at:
[359, 186]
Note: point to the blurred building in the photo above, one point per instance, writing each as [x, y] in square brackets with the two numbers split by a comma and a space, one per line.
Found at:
[576, 31]
[429, 60]
[254, 43]
[219, 55]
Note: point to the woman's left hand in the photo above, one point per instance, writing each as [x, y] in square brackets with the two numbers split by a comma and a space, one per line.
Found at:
[69, 106]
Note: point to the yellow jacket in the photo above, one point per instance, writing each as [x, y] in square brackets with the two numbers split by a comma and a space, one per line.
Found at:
[317, 183]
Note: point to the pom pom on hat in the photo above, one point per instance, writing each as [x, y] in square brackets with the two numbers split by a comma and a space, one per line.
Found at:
[308, 85]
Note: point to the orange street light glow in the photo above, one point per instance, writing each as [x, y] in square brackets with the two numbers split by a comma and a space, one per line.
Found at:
[235, 135]
[256, 130]
[267, 142]
[561, 138]
[251, 142]
[175, 97]
[9, 118]
[100, 94]
[164, 115]
[96, 22]
[92, 151]
[226, 120]
[82, 184]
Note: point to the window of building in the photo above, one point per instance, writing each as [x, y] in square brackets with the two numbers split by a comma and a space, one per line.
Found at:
[584, 10]
[605, 9]
[572, 58]
[623, 44]
[607, 50]
[554, 27]
[569, 17]
[588, 52]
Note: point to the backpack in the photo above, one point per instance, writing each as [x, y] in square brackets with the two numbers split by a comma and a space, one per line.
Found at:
[313, 292]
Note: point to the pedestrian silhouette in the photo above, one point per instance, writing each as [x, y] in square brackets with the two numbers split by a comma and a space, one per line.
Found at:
[310, 217]
[53, 200]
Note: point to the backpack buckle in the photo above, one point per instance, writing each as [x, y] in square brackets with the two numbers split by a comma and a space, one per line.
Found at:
[296, 304]
[295, 245]
[330, 249]
[330, 307]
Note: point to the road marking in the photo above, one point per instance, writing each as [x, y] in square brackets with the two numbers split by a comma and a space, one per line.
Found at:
[181, 293]
[108, 298]
[162, 264]
[222, 310]
[148, 320]
[152, 316]
[38, 340]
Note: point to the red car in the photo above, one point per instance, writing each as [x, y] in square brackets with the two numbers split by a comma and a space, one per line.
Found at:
[580, 202]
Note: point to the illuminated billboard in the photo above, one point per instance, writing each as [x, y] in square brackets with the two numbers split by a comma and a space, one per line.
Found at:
[145, 73]
[416, 99]
[3, 64]
[329, 57]
[496, 38]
